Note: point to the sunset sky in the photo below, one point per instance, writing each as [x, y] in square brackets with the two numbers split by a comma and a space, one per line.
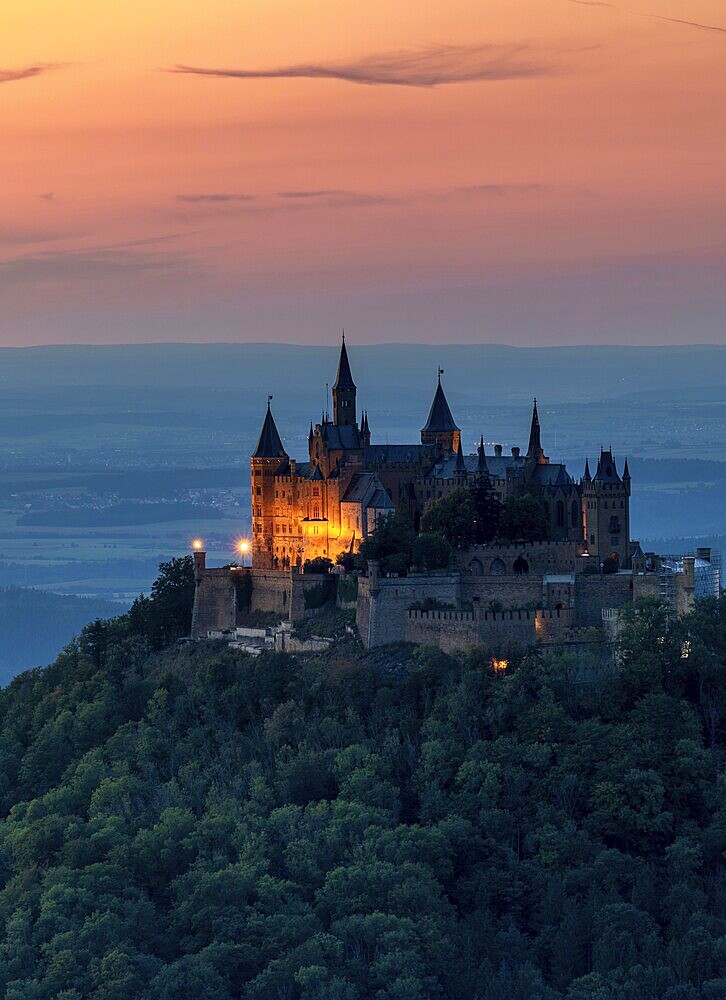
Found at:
[529, 172]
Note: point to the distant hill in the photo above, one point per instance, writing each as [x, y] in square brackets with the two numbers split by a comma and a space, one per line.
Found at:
[35, 625]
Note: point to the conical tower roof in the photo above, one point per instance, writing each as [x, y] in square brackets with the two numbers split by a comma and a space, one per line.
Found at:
[269, 444]
[344, 379]
[481, 464]
[460, 463]
[440, 418]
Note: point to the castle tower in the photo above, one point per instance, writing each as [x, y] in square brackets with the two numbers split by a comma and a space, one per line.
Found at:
[267, 458]
[344, 392]
[606, 511]
[440, 429]
[535, 452]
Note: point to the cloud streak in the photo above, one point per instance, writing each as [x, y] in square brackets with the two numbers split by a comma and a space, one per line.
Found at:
[26, 73]
[196, 199]
[653, 17]
[427, 67]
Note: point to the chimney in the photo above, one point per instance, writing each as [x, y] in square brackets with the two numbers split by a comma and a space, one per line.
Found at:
[704, 554]
[498, 450]
[515, 452]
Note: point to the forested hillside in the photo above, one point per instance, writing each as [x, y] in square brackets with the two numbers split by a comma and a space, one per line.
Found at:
[395, 825]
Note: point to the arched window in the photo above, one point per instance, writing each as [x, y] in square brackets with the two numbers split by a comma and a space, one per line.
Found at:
[475, 567]
[521, 566]
[497, 568]
[560, 513]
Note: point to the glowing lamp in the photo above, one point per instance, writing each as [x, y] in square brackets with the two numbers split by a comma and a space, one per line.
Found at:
[197, 545]
[243, 547]
[499, 665]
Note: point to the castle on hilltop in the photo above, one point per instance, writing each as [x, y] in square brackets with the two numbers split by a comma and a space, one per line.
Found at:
[567, 587]
[328, 504]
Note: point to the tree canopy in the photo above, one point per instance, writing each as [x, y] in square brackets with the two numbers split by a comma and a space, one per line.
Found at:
[396, 824]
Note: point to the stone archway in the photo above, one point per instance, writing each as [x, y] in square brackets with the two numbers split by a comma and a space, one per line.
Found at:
[497, 567]
[521, 566]
[475, 568]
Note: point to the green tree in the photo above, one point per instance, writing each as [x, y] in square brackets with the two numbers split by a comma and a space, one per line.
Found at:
[524, 519]
[431, 551]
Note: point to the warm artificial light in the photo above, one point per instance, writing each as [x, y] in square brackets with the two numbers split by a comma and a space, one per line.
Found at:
[197, 545]
[499, 665]
[243, 547]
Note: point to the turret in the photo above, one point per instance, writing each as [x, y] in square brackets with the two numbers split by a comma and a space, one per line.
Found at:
[535, 453]
[440, 429]
[344, 391]
[365, 431]
[481, 462]
[606, 510]
[268, 457]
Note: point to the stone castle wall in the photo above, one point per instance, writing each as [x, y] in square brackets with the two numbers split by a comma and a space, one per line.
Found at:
[457, 630]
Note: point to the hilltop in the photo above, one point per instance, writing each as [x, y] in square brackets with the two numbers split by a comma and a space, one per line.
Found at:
[190, 822]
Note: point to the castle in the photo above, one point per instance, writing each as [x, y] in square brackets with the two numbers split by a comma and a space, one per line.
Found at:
[330, 503]
[571, 583]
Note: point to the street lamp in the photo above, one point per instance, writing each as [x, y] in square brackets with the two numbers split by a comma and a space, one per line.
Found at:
[243, 547]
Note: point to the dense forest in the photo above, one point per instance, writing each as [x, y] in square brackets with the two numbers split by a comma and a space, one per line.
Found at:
[187, 822]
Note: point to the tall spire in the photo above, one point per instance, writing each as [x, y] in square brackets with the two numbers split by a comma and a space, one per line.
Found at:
[460, 463]
[344, 391]
[587, 477]
[269, 444]
[481, 463]
[626, 471]
[344, 379]
[534, 450]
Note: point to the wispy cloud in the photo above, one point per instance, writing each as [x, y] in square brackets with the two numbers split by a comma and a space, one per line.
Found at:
[427, 67]
[500, 190]
[26, 72]
[195, 199]
[654, 17]
[334, 196]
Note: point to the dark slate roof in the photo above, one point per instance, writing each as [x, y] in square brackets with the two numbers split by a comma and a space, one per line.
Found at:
[400, 454]
[606, 471]
[446, 467]
[440, 418]
[552, 475]
[302, 469]
[269, 444]
[316, 473]
[366, 488]
[340, 436]
[344, 379]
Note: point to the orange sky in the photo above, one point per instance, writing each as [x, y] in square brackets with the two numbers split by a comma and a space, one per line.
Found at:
[535, 172]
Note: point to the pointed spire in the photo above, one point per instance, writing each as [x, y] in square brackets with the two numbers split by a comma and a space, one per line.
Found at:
[626, 470]
[460, 463]
[534, 450]
[587, 477]
[310, 434]
[481, 464]
[440, 418]
[269, 444]
[344, 379]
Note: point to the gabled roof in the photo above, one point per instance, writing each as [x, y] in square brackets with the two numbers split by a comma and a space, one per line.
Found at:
[316, 474]
[344, 379]
[440, 418]
[366, 488]
[606, 471]
[340, 436]
[552, 475]
[269, 444]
